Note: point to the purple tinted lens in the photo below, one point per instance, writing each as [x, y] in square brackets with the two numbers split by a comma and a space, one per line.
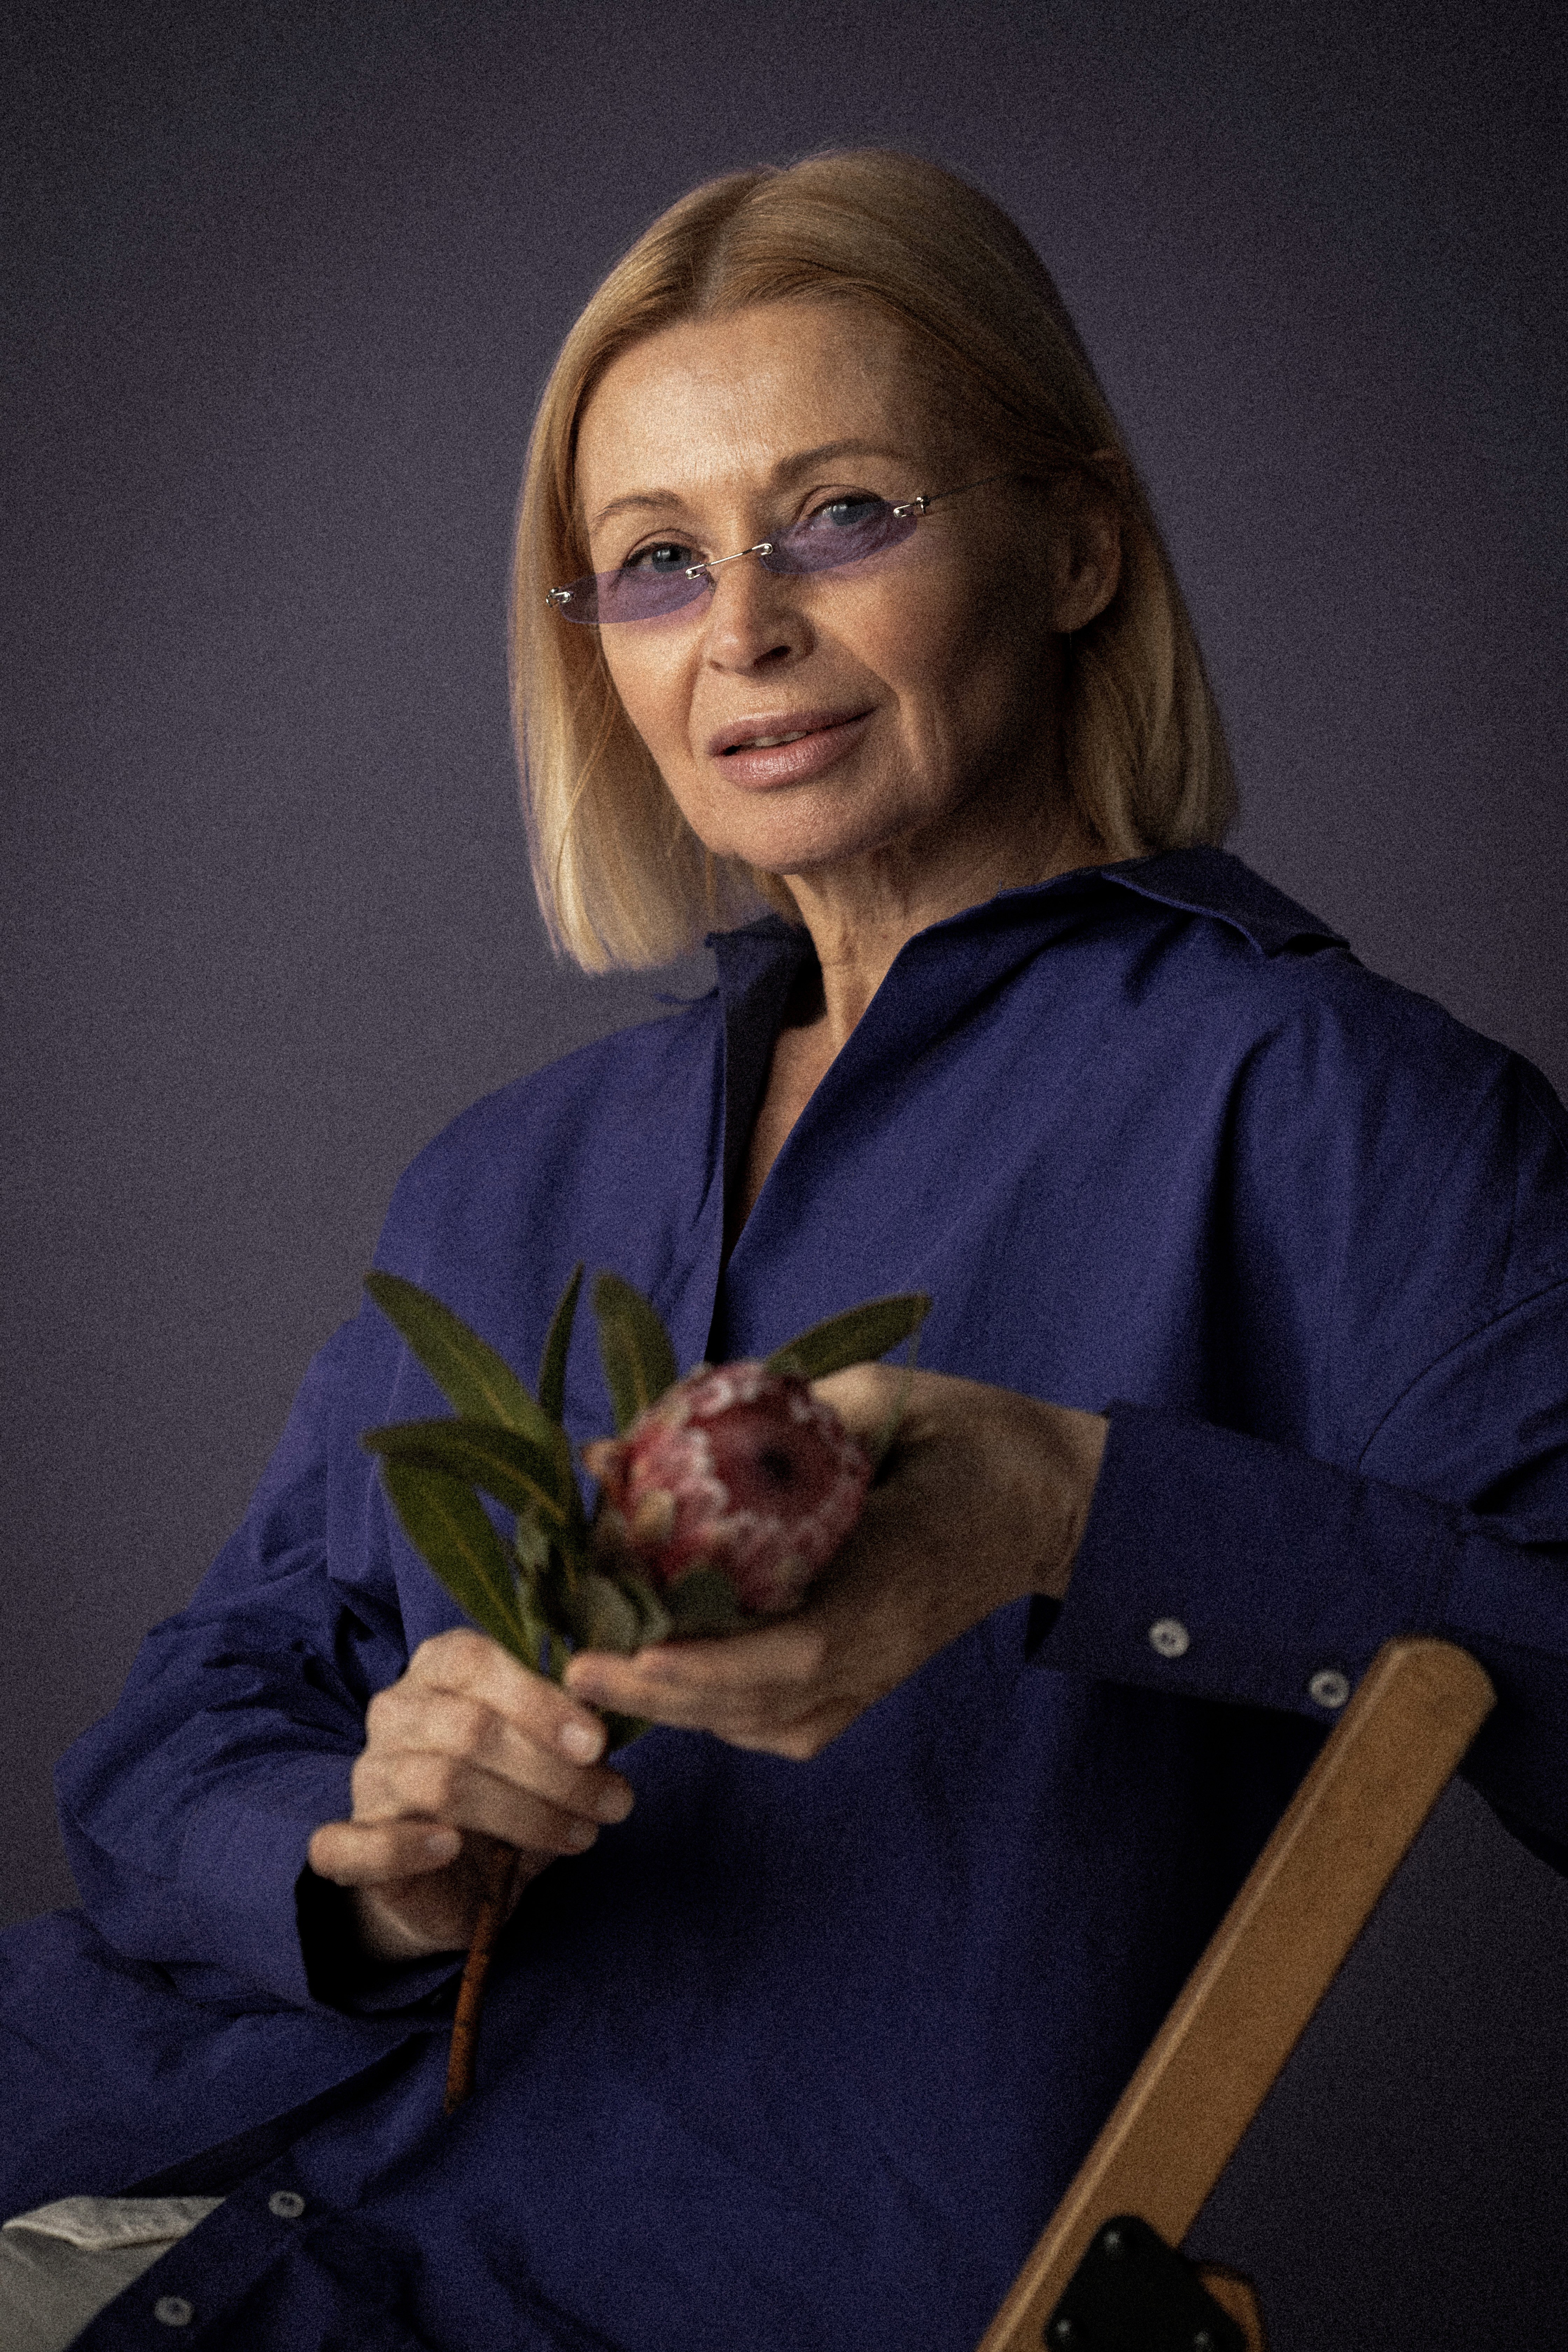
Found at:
[641, 596]
[843, 534]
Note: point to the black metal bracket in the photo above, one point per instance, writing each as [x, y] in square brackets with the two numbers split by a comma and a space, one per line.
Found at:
[1132, 2293]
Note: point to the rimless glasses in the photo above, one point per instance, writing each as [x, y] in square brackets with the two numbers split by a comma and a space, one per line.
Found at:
[662, 579]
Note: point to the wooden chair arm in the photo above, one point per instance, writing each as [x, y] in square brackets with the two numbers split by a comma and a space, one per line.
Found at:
[1268, 1966]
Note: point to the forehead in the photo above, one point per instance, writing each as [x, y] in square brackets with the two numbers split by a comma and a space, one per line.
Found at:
[718, 400]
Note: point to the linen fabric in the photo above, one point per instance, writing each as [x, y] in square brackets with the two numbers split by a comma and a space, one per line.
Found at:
[801, 2055]
[60, 2264]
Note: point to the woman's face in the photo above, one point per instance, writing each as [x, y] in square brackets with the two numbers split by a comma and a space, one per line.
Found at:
[808, 721]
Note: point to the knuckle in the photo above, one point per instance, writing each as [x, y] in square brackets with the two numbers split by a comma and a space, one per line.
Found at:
[432, 1783]
[382, 1705]
[463, 1723]
[440, 1657]
[367, 1782]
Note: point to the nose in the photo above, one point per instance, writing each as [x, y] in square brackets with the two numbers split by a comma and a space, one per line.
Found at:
[755, 616]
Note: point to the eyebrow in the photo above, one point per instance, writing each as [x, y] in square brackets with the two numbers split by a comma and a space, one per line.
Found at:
[637, 502]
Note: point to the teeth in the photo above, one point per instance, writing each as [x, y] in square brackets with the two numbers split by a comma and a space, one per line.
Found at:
[771, 743]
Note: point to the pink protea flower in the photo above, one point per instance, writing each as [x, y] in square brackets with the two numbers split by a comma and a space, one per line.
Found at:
[737, 1470]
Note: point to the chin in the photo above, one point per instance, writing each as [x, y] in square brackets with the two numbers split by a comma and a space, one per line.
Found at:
[813, 844]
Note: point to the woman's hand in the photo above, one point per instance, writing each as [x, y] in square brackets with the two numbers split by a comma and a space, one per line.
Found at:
[984, 1499]
[467, 1747]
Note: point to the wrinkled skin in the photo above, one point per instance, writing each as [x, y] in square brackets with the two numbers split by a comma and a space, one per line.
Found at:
[984, 1500]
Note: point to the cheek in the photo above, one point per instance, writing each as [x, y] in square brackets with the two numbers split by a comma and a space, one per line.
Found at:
[952, 651]
[652, 687]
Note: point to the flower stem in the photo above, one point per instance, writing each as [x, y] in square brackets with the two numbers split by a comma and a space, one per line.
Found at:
[492, 1918]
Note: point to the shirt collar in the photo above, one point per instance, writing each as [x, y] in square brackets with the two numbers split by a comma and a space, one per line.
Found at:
[761, 961]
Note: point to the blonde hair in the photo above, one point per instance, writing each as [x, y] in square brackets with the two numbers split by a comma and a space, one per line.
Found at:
[621, 876]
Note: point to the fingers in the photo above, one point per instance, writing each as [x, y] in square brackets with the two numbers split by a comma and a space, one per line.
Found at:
[428, 1784]
[471, 1740]
[789, 1689]
[456, 1736]
[405, 1916]
[865, 1396]
[469, 1665]
[352, 1853]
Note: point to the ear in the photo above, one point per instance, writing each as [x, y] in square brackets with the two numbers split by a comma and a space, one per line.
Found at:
[1086, 566]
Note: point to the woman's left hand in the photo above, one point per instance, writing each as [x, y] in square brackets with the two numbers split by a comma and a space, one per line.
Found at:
[984, 1499]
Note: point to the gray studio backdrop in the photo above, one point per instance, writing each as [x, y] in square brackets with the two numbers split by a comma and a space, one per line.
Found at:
[281, 287]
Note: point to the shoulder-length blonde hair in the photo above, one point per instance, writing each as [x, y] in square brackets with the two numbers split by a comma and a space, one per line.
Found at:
[622, 878]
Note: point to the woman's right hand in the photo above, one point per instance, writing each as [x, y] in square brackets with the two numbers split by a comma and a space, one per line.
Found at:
[467, 1747]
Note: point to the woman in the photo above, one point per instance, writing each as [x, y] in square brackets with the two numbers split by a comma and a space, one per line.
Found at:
[836, 591]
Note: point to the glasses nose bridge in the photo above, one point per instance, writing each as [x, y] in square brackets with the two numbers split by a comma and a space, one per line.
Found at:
[716, 562]
[753, 622]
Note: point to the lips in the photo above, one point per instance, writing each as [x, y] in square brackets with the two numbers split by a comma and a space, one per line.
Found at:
[772, 728]
[779, 747]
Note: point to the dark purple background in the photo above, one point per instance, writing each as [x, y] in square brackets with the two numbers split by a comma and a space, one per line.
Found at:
[281, 287]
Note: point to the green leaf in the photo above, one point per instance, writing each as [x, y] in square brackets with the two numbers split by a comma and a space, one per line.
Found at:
[557, 1339]
[655, 1622]
[446, 1523]
[522, 1475]
[604, 1617]
[531, 1542]
[704, 1601]
[534, 1546]
[857, 1337]
[634, 1348]
[475, 1380]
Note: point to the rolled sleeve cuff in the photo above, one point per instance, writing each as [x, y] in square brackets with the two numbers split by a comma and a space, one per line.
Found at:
[287, 1929]
[245, 1861]
[1222, 1567]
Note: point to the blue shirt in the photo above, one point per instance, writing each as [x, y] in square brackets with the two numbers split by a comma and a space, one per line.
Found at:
[801, 2055]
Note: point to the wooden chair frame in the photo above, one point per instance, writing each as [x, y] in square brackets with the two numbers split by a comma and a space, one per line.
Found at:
[1270, 1963]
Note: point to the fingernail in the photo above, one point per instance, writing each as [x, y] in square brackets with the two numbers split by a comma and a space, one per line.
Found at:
[581, 1740]
[442, 1846]
[580, 1835]
[615, 1802]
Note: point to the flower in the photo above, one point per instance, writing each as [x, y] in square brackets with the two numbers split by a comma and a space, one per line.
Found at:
[738, 1473]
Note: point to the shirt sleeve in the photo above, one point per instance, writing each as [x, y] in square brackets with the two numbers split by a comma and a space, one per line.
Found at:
[1225, 1566]
[186, 1812]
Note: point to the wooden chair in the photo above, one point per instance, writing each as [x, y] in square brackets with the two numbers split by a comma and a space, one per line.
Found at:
[1243, 2010]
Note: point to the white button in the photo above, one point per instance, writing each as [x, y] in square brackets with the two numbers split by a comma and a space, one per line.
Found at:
[1329, 1688]
[1170, 1637]
[173, 2311]
[286, 2203]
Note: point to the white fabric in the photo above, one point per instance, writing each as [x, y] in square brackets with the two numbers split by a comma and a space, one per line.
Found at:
[61, 2263]
[97, 2223]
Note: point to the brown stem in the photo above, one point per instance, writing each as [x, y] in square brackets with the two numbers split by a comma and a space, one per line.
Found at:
[499, 1873]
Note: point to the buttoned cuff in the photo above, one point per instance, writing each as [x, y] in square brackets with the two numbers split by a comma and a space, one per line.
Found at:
[1222, 1566]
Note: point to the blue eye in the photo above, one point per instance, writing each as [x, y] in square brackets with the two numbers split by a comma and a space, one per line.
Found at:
[849, 514]
[665, 555]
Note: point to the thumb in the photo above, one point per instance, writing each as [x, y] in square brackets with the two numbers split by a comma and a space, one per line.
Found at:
[372, 1854]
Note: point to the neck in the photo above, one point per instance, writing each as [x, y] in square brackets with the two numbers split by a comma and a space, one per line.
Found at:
[861, 913]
